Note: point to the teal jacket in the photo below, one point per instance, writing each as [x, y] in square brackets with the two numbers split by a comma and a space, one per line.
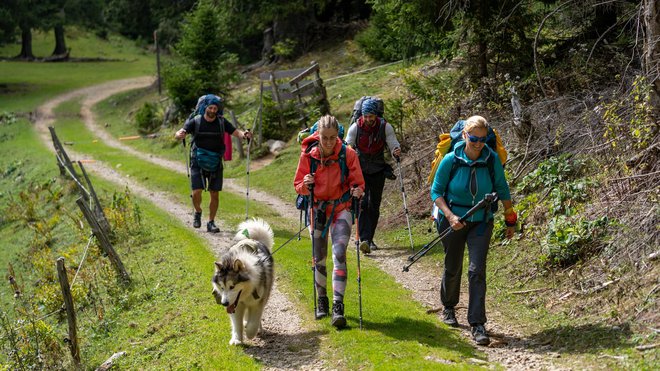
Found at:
[463, 192]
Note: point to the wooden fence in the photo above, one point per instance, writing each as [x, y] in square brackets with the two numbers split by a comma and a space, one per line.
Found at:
[304, 85]
[93, 212]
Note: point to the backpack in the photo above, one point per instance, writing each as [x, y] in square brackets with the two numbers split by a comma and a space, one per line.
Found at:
[303, 202]
[447, 143]
[311, 130]
[199, 112]
[357, 108]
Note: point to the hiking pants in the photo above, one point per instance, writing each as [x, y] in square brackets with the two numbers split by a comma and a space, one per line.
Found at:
[370, 205]
[477, 235]
[340, 231]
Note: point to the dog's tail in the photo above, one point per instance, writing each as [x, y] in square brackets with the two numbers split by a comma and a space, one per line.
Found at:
[256, 229]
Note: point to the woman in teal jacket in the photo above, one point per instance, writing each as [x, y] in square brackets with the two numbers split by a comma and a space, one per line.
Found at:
[463, 178]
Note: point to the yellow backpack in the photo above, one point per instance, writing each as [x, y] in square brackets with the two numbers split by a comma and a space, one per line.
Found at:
[447, 142]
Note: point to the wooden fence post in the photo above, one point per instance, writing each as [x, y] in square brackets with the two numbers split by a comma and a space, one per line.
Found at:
[70, 311]
[98, 209]
[59, 150]
[104, 241]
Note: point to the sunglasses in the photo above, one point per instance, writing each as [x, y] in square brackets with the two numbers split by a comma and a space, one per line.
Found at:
[475, 139]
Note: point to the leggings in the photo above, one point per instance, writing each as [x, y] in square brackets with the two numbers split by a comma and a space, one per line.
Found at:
[340, 231]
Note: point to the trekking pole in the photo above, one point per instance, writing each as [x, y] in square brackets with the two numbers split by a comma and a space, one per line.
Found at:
[405, 205]
[247, 174]
[356, 206]
[313, 224]
[488, 199]
[187, 154]
[282, 245]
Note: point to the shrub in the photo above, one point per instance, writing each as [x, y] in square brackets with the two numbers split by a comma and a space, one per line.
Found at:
[552, 172]
[569, 241]
[147, 118]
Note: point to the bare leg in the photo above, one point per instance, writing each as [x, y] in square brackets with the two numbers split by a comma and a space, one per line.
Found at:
[197, 200]
[213, 205]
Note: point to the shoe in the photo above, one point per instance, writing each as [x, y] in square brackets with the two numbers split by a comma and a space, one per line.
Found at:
[211, 227]
[364, 247]
[338, 319]
[197, 222]
[372, 246]
[449, 317]
[480, 335]
[322, 308]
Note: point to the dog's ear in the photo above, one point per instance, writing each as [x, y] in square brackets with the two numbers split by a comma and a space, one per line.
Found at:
[218, 266]
[238, 265]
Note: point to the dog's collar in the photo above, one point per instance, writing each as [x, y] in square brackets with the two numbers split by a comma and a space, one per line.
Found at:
[255, 295]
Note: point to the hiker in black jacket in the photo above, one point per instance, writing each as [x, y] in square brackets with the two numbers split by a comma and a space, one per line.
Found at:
[207, 149]
[368, 136]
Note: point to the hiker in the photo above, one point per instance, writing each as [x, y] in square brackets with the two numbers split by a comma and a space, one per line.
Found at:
[464, 178]
[368, 136]
[330, 171]
[208, 146]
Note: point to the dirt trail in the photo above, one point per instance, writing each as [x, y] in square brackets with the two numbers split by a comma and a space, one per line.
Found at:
[285, 343]
[508, 347]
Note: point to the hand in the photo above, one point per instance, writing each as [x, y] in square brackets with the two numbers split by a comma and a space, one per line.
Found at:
[180, 134]
[510, 231]
[308, 180]
[357, 192]
[397, 152]
[455, 222]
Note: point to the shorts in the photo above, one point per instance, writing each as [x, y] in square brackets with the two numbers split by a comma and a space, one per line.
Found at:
[200, 178]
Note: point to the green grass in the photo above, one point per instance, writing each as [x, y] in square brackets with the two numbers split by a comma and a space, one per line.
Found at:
[24, 85]
[396, 331]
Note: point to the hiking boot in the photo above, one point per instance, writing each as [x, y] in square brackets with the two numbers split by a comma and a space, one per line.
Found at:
[372, 246]
[449, 317]
[211, 227]
[197, 222]
[338, 319]
[480, 335]
[322, 307]
[364, 247]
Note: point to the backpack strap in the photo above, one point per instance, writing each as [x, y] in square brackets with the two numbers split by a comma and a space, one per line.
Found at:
[490, 164]
[313, 165]
[198, 123]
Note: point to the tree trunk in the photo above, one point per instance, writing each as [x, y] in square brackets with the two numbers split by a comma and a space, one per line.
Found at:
[26, 44]
[652, 50]
[60, 42]
[267, 53]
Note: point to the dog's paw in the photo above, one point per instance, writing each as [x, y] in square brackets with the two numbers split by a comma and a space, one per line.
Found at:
[235, 341]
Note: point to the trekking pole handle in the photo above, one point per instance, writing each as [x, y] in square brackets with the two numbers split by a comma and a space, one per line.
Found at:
[488, 199]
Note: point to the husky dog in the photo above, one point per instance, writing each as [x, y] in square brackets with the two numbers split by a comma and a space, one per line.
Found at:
[244, 276]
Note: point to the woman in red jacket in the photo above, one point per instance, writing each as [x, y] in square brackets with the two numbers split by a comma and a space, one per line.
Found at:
[333, 171]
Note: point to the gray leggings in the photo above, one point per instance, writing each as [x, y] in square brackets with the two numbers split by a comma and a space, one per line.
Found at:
[340, 231]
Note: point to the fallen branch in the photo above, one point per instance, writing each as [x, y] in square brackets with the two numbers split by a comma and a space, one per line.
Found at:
[530, 291]
[110, 362]
[647, 347]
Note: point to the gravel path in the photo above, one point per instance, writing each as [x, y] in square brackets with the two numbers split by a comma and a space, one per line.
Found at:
[285, 343]
[283, 324]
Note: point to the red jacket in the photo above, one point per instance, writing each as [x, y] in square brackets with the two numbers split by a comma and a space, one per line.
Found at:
[327, 179]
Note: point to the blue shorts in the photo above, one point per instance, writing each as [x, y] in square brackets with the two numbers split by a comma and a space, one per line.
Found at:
[199, 178]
